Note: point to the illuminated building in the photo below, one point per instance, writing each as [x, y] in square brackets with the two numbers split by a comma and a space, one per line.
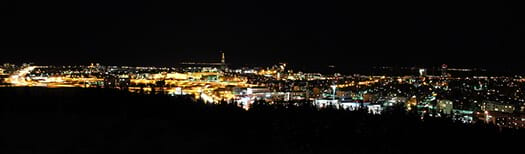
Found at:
[465, 116]
[297, 95]
[412, 102]
[391, 101]
[254, 90]
[326, 102]
[445, 106]
[117, 81]
[497, 107]
[313, 76]
[355, 105]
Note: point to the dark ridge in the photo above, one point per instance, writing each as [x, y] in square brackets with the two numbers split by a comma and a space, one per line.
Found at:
[74, 120]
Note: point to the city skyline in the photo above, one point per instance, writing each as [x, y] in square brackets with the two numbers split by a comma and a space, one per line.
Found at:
[437, 93]
[384, 69]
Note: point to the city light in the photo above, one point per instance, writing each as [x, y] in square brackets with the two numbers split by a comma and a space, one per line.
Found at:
[428, 94]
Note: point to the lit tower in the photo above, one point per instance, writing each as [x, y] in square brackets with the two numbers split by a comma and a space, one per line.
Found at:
[223, 61]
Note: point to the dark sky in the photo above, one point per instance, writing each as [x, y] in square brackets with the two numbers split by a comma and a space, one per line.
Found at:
[264, 32]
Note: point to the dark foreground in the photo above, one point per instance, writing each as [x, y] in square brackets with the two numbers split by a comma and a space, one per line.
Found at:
[39, 120]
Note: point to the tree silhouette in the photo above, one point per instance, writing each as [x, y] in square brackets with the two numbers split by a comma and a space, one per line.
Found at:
[95, 120]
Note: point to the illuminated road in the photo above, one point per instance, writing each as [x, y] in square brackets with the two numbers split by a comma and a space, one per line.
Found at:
[19, 77]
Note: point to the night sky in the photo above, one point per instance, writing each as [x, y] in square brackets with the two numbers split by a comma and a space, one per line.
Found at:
[302, 33]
